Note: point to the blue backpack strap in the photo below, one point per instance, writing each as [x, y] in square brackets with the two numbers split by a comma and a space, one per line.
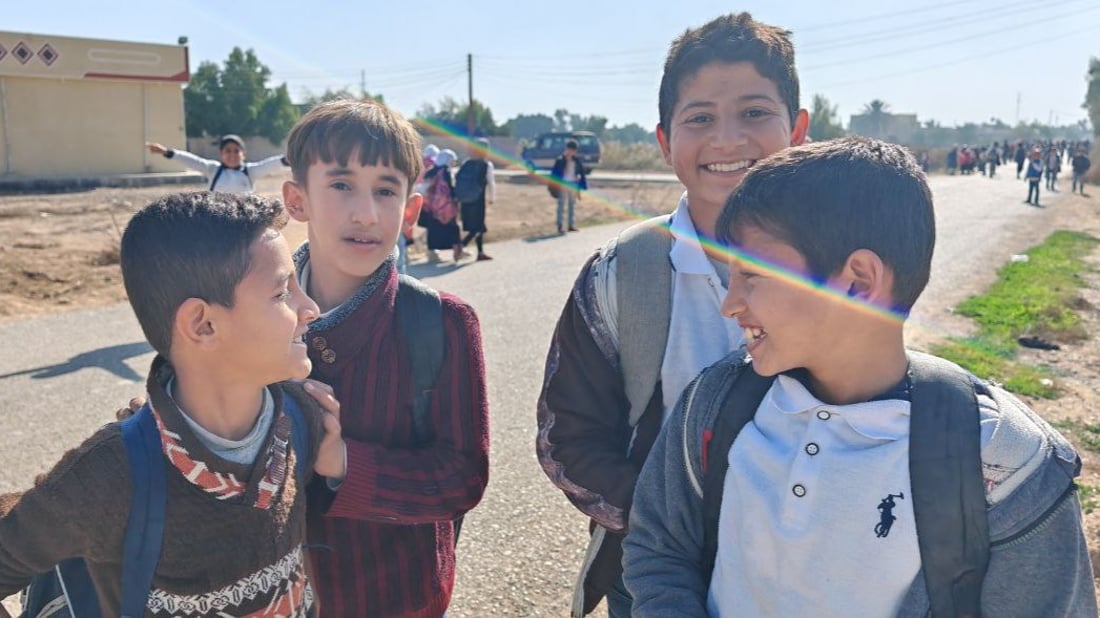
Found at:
[299, 432]
[145, 526]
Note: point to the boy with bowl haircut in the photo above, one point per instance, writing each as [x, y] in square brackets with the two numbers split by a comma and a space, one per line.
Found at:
[387, 532]
[211, 281]
[643, 317]
[817, 508]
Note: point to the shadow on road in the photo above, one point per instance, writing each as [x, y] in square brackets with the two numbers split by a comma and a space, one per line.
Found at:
[550, 236]
[109, 359]
[427, 271]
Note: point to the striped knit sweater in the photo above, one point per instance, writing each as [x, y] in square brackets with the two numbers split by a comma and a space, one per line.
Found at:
[233, 533]
[383, 544]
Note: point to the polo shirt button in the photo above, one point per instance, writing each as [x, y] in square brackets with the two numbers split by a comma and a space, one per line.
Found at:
[798, 491]
[811, 449]
[319, 343]
[328, 355]
[823, 415]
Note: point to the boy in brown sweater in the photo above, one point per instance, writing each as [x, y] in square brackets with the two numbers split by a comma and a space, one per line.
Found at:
[211, 280]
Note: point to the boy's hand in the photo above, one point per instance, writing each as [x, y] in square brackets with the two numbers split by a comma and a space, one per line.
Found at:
[156, 148]
[332, 454]
[131, 409]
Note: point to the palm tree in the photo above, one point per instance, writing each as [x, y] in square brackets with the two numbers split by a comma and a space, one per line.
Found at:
[877, 110]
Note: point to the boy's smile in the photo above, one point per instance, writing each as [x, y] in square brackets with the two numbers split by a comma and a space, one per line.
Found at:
[354, 213]
[262, 334]
[785, 320]
[727, 117]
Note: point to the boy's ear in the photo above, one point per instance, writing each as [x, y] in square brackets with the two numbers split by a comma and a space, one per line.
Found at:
[867, 278]
[662, 141]
[194, 324]
[294, 197]
[801, 128]
[412, 206]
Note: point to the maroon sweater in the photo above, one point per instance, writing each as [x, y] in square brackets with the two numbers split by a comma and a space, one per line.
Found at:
[230, 547]
[383, 544]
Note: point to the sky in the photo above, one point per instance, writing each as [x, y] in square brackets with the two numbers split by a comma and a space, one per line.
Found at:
[954, 62]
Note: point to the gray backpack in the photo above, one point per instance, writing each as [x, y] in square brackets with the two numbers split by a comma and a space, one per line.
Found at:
[945, 473]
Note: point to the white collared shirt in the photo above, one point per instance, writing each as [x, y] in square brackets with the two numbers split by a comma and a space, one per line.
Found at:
[816, 516]
[698, 335]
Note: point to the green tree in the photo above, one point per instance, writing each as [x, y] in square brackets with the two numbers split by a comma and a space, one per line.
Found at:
[527, 126]
[632, 133]
[595, 124]
[561, 120]
[452, 114]
[235, 98]
[1092, 97]
[343, 94]
[824, 120]
[877, 110]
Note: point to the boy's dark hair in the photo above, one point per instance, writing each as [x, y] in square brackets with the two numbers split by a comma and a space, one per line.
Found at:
[333, 130]
[571, 144]
[190, 245]
[727, 39]
[828, 199]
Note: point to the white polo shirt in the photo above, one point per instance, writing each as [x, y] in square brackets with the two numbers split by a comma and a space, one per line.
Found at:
[816, 516]
[698, 335]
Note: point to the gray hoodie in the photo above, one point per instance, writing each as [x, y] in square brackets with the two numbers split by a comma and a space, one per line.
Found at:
[1039, 563]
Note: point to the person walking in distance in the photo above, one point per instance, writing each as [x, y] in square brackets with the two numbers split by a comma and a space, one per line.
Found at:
[571, 178]
[474, 188]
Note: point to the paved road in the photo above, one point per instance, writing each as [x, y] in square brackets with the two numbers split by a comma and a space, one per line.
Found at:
[60, 377]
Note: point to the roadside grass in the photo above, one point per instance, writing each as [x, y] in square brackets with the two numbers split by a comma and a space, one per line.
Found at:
[1037, 298]
[1087, 434]
[1089, 497]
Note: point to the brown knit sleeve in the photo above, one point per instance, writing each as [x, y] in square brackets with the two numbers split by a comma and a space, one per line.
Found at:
[76, 509]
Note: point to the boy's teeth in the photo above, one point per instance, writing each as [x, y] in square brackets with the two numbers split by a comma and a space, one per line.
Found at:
[728, 167]
[752, 334]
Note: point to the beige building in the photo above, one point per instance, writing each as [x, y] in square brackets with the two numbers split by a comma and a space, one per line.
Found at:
[72, 107]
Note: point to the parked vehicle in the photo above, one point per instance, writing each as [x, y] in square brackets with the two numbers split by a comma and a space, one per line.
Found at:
[541, 153]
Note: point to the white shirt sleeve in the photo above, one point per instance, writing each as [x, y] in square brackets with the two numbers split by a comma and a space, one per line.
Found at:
[266, 167]
[206, 167]
[490, 183]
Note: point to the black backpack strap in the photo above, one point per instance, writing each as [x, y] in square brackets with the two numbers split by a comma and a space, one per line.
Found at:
[145, 525]
[945, 470]
[420, 316]
[217, 175]
[738, 408]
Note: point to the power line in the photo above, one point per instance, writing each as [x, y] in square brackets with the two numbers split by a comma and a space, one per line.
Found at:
[940, 44]
[912, 29]
[982, 56]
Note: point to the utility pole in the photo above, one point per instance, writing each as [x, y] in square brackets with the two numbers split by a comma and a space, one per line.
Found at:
[362, 83]
[470, 95]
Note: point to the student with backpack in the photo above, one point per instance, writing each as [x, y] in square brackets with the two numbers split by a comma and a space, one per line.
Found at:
[474, 188]
[568, 178]
[439, 213]
[825, 470]
[643, 316]
[405, 362]
[230, 174]
[195, 506]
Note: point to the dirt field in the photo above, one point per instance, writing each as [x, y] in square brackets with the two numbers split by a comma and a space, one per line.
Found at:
[60, 252]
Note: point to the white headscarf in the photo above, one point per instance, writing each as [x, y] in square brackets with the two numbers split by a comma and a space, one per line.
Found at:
[445, 157]
[430, 151]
